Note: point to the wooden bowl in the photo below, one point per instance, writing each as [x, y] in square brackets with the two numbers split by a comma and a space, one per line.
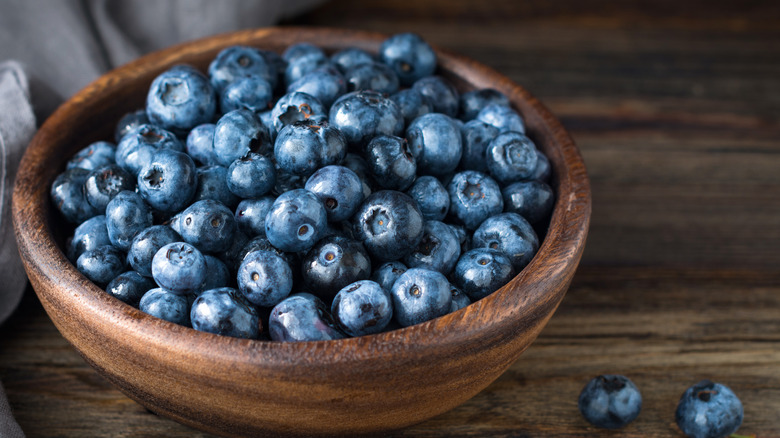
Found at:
[246, 387]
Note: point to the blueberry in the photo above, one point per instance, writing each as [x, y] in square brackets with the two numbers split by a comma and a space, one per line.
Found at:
[129, 122]
[482, 271]
[237, 133]
[436, 143]
[431, 197]
[511, 234]
[459, 299]
[390, 162]
[129, 287]
[340, 190]
[441, 93]
[67, 194]
[420, 295]
[709, 410]
[167, 305]
[97, 154]
[90, 234]
[239, 61]
[126, 215]
[357, 164]
[438, 249]
[389, 225]
[168, 182]
[146, 244]
[296, 221]
[200, 144]
[532, 200]
[333, 263]
[251, 176]
[303, 147]
[473, 102]
[253, 93]
[302, 317]
[179, 268]
[225, 312]
[323, 83]
[137, 147]
[213, 184]
[180, 99]
[261, 243]
[102, 264]
[351, 56]
[217, 274]
[502, 117]
[295, 107]
[386, 274]
[409, 56]
[610, 401]
[362, 115]
[543, 171]
[474, 197]
[463, 235]
[233, 255]
[362, 308]
[250, 215]
[476, 137]
[372, 76]
[286, 181]
[511, 156]
[412, 104]
[207, 225]
[303, 65]
[265, 278]
[298, 50]
[104, 183]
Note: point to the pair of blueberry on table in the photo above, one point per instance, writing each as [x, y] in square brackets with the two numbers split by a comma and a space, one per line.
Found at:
[705, 410]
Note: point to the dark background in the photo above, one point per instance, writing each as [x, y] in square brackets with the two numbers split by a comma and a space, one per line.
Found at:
[675, 107]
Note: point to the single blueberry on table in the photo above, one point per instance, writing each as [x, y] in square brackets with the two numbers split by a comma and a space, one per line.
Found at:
[213, 184]
[420, 295]
[610, 401]
[333, 263]
[436, 142]
[510, 157]
[180, 99]
[179, 268]
[168, 182]
[351, 56]
[340, 190]
[389, 225]
[362, 308]
[296, 221]
[237, 133]
[474, 197]
[129, 122]
[207, 225]
[265, 278]
[253, 93]
[295, 107]
[200, 144]
[302, 317]
[709, 410]
[303, 147]
[102, 264]
[391, 163]
[251, 176]
[476, 137]
[372, 76]
[482, 271]
[502, 117]
[97, 154]
[412, 104]
[472, 102]
[129, 287]
[326, 84]
[409, 56]
[532, 200]
[511, 234]
[226, 312]
[146, 244]
[90, 234]
[67, 195]
[250, 215]
[240, 61]
[167, 305]
[459, 299]
[217, 274]
[362, 115]
[441, 93]
[438, 249]
[138, 146]
[387, 273]
[431, 197]
[105, 182]
[126, 216]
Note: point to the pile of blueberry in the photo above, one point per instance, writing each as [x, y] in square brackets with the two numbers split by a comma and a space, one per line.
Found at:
[322, 196]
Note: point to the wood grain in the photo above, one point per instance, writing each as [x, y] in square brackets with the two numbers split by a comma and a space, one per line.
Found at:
[675, 107]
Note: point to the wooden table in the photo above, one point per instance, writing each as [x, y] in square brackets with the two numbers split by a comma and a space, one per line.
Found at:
[675, 108]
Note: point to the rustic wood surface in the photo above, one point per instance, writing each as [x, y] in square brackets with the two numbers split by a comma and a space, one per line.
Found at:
[676, 110]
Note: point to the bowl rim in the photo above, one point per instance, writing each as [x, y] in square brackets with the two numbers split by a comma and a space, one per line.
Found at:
[501, 312]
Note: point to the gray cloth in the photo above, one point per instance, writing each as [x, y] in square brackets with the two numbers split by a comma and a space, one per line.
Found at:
[59, 47]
